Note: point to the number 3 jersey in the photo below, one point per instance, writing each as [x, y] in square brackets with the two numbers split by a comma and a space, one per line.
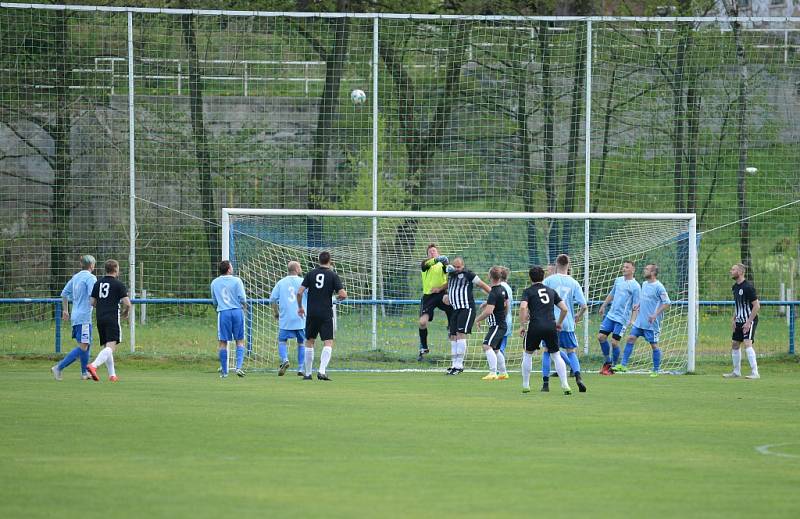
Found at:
[541, 300]
[108, 291]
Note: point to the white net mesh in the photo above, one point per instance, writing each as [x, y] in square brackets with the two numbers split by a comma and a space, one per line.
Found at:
[262, 245]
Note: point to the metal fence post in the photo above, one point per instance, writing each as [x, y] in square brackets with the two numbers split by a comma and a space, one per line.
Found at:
[58, 326]
[791, 328]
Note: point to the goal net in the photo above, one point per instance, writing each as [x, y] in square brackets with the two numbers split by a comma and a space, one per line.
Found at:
[378, 255]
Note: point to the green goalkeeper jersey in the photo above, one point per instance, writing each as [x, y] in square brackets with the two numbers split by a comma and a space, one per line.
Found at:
[433, 275]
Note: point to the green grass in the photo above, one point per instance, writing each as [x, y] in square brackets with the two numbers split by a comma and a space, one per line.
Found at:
[181, 442]
[194, 336]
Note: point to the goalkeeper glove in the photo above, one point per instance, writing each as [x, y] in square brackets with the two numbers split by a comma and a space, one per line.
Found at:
[442, 259]
[450, 269]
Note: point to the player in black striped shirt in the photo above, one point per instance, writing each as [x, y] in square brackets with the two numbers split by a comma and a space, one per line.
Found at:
[494, 311]
[460, 284]
[745, 320]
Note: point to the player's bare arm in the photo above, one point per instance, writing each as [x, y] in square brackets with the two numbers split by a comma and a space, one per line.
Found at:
[561, 316]
[753, 314]
[341, 295]
[487, 311]
[300, 310]
[652, 318]
[486, 288]
[126, 307]
[580, 314]
[523, 317]
[603, 306]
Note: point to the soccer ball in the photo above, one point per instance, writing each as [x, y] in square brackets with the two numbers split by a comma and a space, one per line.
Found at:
[358, 96]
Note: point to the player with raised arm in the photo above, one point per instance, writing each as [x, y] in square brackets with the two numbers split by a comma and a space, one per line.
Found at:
[494, 311]
[571, 293]
[744, 323]
[107, 294]
[78, 291]
[536, 306]
[652, 303]
[434, 288]
[460, 284]
[283, 300]
[502, 372]
[624, 295]
[227, 294]
[321, 283]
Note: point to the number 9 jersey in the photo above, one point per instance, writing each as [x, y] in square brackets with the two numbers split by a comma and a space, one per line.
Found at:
[322, 283]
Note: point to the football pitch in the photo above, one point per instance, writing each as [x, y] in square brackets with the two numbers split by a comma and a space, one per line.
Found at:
[177, 441]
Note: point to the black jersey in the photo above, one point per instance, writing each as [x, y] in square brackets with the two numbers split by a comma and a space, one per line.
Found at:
[541, 299]
[459, 289]
[108, 291]
[322, 283]
[744, 294]
[497, 297]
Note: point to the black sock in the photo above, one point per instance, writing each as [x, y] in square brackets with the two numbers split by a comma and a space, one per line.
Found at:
[545, 380]
[423, 338]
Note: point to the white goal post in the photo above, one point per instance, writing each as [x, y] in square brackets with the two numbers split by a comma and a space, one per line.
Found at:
[364, 243]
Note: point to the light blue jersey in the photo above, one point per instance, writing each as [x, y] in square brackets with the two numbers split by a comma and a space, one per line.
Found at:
[510, 313]
[571, 293]
[227, 292]
[653, 294]
[285, 294]
[626, 296]
[78, 291]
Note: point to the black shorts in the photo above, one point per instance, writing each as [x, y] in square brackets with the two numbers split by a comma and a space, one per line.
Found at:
[461, 321]
[494, 337]
[110, 331]
[322, 326]
[535, 337]
[430, 302]
[739, 335]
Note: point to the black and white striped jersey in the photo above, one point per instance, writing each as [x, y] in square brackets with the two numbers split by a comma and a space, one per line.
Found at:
[497, 297]
[459, 289]
[744, 294]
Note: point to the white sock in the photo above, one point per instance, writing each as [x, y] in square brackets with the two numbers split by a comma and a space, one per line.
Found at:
[462, 352]
[308, 361]
[101, 357]
[491, 356]
[737, 361]
[501, 363]
[751, 358]
[527, 365]
[561, 369]
[110, 363]
[324, 358]
[453, 353]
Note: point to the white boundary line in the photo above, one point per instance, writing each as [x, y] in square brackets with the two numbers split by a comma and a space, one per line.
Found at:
[765, 450]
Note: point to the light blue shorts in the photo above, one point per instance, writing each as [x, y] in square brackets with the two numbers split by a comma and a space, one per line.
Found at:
[82, 333]
[230, 325]
[649, 335]
[285, 335]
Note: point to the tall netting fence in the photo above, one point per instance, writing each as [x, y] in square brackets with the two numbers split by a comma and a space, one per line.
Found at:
[473, 114]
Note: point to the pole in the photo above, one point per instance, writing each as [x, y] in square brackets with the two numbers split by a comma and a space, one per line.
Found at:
[131, 187]
[693, 307]
[58, 327]
[375, 180]
[587, 181]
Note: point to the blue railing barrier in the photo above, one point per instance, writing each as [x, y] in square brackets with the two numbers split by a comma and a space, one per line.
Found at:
[792, 306]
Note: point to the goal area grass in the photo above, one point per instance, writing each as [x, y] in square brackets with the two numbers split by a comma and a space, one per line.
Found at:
[182, 442]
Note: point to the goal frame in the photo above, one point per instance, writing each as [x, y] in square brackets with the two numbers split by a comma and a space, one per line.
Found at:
[690, 218]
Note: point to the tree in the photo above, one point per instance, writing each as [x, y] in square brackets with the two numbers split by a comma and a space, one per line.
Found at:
[208, 208]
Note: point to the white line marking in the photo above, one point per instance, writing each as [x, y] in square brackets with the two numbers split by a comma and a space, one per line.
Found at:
[766, 450]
